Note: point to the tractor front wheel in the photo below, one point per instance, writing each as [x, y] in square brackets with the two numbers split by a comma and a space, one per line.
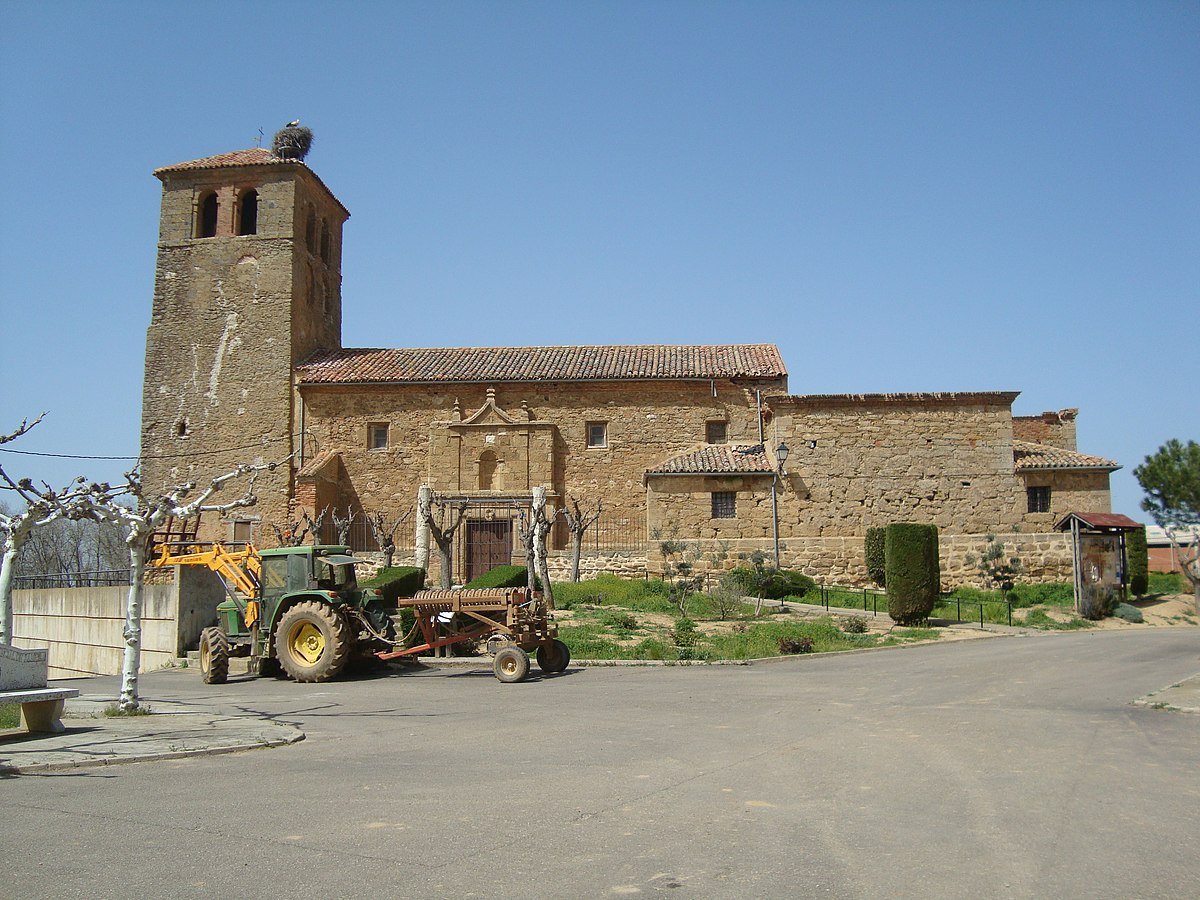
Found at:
[313, 641]
[511, 664]
[214, 656]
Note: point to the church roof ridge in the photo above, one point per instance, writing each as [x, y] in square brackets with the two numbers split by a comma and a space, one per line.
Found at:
[602, 362]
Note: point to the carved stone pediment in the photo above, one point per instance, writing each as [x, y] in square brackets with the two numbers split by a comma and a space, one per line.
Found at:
[490, 414]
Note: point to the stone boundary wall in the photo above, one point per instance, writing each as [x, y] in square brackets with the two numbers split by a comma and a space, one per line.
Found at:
[81, 627]
[839, 560]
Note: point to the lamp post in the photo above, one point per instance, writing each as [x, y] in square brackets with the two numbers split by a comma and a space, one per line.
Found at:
[781, 455]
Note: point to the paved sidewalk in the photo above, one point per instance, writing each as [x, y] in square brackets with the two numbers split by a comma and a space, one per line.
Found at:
[1183, 696]
[172, 730]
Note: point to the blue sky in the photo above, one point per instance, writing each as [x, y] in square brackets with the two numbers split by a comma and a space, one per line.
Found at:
[902, 196]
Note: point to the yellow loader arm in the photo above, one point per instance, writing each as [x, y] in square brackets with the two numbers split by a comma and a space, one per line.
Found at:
[241, 567]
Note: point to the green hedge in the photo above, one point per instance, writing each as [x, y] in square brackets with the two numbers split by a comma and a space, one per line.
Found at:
[1138, 560]
[396, 582]
[913, 572]
[876, 558]
[773, 584]
[502, 577]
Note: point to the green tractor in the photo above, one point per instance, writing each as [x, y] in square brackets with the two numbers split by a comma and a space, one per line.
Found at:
[296, 608]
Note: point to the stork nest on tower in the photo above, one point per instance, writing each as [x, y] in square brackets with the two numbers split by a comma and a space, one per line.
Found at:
[292, 141]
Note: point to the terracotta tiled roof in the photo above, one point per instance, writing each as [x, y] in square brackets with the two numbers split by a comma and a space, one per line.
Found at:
[1099, 521]
[254, 156]
[1042, 456]
[717, 459]
[498, 364]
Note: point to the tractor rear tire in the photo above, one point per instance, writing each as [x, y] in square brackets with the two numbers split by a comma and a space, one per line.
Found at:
[511, 665]
[553, 657]
[214, 656]
[313, 641]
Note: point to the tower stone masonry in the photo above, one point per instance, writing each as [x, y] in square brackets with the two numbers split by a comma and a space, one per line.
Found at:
[247, 284]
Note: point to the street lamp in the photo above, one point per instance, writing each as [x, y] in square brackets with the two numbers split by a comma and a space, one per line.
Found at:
[781, 455]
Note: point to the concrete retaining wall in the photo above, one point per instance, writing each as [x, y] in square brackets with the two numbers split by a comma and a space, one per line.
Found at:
[81, 627]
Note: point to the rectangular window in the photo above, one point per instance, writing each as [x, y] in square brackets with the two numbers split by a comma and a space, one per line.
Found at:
[724, 505]
[714, 432]
[243, 532]
[597, 434]
[1039, 499]
[377, 436]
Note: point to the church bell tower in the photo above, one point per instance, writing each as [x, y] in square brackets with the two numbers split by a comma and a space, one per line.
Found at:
[247, 285]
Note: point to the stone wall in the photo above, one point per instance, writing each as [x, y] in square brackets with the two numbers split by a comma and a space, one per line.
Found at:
[647, 422]
[1056, 429]
[1079, 491]
[231, 316]
[940, 458]
[82, 627]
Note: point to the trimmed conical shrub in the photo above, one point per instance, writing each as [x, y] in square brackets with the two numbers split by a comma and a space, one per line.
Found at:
[876, 559]
[912, 571]
[1138, 561]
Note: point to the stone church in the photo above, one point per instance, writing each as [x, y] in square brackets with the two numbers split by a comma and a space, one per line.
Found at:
[244, 362]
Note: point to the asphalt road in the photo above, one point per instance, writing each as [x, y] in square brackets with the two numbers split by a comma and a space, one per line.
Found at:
[1008, 767]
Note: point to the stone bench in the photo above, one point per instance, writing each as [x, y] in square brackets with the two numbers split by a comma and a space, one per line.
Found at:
[41, 708]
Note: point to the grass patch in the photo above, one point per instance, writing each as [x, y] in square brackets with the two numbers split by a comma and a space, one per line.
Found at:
[112, 711]
[1039, 618]
[755, 639]
[1167, 583]
[10, 715]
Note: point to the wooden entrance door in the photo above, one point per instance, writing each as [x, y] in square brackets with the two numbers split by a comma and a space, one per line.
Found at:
[489, 544]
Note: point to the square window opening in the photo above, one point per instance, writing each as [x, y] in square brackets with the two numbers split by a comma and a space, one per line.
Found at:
[597, 435]
[716, 432]
[1038, 499]
[377, 436]
[724, 505]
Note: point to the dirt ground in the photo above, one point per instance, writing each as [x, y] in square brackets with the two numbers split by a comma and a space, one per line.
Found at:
[1169, 609]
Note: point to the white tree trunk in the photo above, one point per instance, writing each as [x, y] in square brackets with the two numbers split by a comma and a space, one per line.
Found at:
[424, 501]
[133, 624]
[6, 576]
[576, 553]
[541, 529]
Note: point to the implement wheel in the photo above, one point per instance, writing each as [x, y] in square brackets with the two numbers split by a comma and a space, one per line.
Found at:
[553, 657]
[511, 665]
[214, 656]
[312, 641]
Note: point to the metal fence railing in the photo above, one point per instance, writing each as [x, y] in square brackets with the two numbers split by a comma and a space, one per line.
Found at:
[949, 606]
[104, 578]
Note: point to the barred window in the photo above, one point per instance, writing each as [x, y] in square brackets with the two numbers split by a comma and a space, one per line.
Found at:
[1039, 499]
[724, 505]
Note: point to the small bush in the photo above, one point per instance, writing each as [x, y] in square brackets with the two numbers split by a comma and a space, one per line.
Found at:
[684, 633]
[504, 577]
[771, 584]
[913, 571]
[622, 621]
[397, 582]
[1138, 560]
[1128, 613]
[802, 644]
[651, 648]
[876, 561]
[852, 624]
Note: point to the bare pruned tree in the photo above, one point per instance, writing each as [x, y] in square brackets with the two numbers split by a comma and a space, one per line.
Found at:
[444, 518]
[298, 532]
[385, 534]
[580, 516]
[342, 525]
[42, 505]
[139, 524]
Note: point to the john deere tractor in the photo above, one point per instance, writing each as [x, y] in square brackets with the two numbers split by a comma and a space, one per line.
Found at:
[299, 608]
